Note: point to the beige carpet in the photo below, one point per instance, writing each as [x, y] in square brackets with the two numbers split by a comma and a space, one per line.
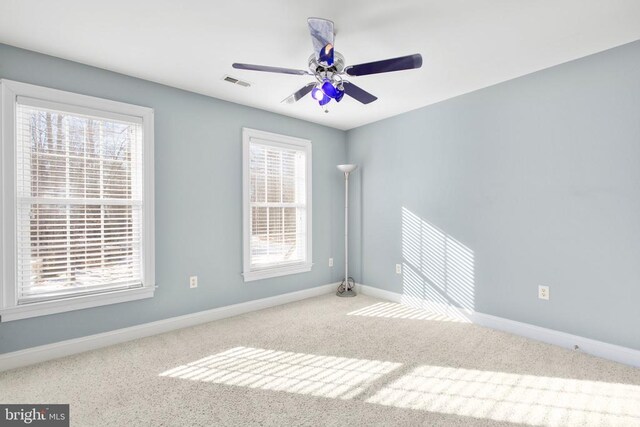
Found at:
[332, 361]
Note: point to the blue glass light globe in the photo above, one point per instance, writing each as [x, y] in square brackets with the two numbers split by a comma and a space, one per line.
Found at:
[329, 89]
[317, 94]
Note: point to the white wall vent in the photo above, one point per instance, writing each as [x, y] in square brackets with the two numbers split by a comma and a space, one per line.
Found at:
[233, 80]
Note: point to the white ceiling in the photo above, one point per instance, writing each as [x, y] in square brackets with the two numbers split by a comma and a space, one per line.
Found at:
[466, 44]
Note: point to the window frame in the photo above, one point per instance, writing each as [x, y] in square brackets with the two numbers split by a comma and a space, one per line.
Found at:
[279, 141]
[73, 102]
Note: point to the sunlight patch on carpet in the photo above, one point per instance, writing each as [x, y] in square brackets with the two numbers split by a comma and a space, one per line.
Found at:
[302, 373]
[402, 311]
[525, 399]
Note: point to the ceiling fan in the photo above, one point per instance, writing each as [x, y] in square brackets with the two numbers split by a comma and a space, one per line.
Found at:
[328, 68]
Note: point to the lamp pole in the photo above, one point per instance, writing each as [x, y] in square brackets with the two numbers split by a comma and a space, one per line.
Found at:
[346, 289]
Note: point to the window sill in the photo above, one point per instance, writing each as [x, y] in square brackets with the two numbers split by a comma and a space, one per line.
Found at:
[74, 303]
[276, 272]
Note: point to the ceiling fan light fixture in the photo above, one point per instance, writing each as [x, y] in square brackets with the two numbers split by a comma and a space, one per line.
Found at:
[317, 94]
[329, 89]
[324, 100]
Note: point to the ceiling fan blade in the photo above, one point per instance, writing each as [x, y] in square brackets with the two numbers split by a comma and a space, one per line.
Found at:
[301, 93]
[385, 66]
[322, 37]
[358, 93]
[252, 67]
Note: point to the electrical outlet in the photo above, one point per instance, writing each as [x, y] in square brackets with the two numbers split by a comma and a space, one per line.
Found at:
[193, 281]
[330, 262]
[398, 268]
[543, 292]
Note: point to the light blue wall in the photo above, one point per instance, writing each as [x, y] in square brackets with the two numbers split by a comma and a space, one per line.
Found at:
[198, 200]
[532, 181]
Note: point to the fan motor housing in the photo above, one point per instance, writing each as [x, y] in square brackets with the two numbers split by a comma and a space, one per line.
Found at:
[336, 68]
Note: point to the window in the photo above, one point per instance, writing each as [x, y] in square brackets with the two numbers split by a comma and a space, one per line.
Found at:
[277, 204]
[77, 206]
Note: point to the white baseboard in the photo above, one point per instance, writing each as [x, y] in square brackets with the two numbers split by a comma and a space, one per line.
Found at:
[605, 350]
[46, 352]
[379, 293]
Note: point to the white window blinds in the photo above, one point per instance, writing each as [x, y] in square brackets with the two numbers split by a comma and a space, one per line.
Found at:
[79, 201]
[277, 204]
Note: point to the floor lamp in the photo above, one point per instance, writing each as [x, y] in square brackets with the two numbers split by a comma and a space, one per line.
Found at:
[347, 287]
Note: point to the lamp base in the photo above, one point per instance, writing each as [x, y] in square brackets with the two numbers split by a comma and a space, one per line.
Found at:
[346, 294]
[348, 290]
